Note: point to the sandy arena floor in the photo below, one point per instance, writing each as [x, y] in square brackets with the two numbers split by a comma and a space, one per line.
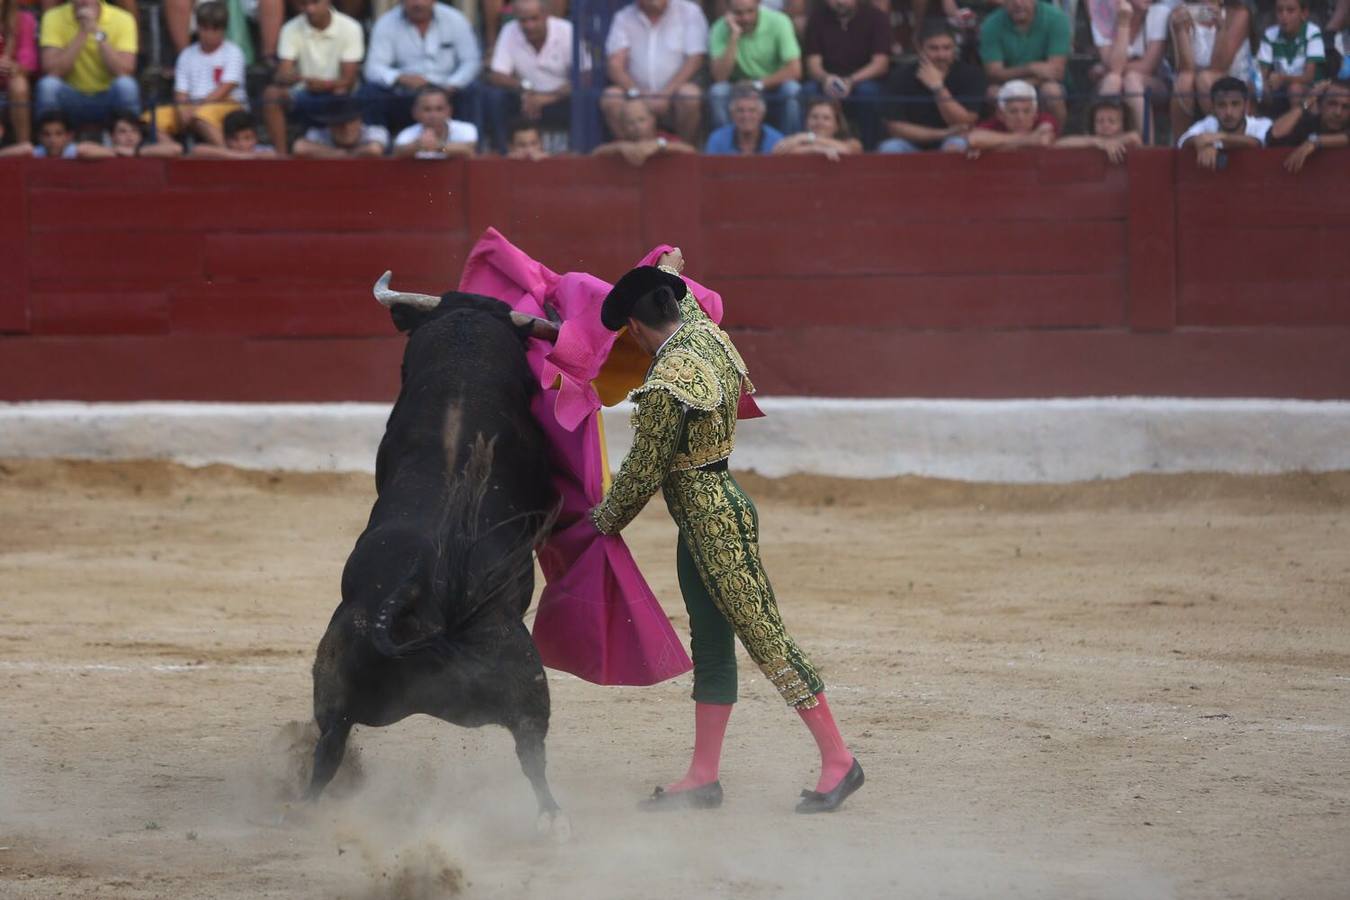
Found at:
[1124, 689]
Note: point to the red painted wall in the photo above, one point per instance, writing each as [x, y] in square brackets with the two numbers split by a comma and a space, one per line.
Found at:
[1047, 274]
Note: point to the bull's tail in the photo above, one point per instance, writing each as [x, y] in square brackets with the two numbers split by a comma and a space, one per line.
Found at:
[390, 608]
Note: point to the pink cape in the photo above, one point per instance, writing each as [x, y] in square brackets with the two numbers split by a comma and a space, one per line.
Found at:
[597, 617]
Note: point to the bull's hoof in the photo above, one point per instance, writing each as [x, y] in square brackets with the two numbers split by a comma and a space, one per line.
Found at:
[554, 824]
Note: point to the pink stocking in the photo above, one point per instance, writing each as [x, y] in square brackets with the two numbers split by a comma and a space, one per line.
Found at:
[835, 759]
[710, 727]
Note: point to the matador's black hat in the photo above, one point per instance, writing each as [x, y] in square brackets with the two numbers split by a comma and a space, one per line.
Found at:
[631, 288]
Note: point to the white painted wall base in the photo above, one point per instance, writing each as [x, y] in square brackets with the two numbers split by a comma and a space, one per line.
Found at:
[970, 440]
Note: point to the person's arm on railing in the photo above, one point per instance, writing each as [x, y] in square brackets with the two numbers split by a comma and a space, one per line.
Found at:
[988, 139]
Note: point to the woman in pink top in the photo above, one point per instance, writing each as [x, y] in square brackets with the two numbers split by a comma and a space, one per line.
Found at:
[18, 60]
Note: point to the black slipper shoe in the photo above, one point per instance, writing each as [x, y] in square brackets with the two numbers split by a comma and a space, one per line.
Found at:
[705, 796]
[816, 802]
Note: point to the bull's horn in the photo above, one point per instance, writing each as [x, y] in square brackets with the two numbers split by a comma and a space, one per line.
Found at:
[389, 298]
[540, 328]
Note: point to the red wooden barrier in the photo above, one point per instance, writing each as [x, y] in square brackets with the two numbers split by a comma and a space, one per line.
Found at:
[1038, 274]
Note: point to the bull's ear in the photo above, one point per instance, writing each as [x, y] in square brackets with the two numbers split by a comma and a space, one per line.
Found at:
[408, 318]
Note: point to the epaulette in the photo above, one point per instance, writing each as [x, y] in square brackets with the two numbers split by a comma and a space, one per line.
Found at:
[687, 377]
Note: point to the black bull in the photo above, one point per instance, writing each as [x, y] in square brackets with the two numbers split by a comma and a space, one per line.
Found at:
[435, 589]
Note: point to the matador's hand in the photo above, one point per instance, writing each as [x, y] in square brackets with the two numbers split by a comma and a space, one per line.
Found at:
[673, 259]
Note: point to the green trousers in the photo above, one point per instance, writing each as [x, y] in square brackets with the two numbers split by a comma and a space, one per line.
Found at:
[727, 592]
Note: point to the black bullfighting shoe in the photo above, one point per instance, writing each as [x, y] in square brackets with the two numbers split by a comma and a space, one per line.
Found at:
[816, 802]
[705, 796]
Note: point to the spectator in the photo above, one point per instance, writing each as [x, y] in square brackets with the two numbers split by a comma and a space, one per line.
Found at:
[241, 140]
[525, 142]
[1017, 125]
[56, 139]
[1227, 127]
[1210, 42]
[1322, 122]
[268, 14]
[531, 72]
[1132, 53]
[435, 135]
[653, 51]
[1111, 129]
[208, 81]
[1028, 41]
[126, 137]
[746, 134]
[88, 59]
[937, 100]
[18, 66]
[420, 43]
[756, 44]
[639, 139]
[1292, 56]
[344, 136]
[320, 53]
[848, 52]
[827, 132]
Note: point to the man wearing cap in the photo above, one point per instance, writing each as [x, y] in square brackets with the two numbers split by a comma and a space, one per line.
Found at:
[684, 428]
[342, 135]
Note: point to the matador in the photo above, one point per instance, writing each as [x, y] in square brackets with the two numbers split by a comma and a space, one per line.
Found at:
[684, 429]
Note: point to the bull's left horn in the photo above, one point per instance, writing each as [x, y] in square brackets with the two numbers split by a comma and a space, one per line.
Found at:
[540, 328]
[389, 298]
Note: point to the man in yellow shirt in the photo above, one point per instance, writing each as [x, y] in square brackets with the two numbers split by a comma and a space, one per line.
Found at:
[88, 61]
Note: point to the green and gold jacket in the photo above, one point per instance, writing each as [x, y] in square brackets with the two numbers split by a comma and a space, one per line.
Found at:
[685, 414]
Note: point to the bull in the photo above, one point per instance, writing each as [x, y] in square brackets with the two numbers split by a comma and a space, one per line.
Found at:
[434, 591]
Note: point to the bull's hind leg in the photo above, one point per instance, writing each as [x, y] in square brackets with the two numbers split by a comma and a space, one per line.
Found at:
[328, 753]
[529, 727]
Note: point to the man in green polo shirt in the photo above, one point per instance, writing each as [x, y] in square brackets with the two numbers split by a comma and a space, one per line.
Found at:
[1028, 40]
[756, 44]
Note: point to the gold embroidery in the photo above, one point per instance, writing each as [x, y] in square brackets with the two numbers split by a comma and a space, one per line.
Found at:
[690, 378]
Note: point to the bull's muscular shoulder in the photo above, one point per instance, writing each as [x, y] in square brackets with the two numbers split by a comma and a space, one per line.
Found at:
[686, 376]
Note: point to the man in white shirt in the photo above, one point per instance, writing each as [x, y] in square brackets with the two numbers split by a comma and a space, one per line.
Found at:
[1227, 127]
[653, 51]
[320, 53]
[531, 72]
[421, 42]
[435, 135]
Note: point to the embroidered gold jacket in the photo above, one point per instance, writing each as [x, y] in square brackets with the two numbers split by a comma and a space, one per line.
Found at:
[685, 414]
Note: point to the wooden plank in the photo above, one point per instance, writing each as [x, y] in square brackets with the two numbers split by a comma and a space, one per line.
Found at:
[913, 201]
[14, 308]
[249, 209]
[1266, 303]
[199, 369]
[274, 309]
[114, 258]
[98, 311]
[143, 174]
[1150, 234]
[843, 362]
[428, 263]
[1288, 254]
[593, 213]
[864, 247]
[394, 175]
[956, 302]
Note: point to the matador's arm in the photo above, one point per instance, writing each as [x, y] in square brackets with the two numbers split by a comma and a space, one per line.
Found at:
[657, 423]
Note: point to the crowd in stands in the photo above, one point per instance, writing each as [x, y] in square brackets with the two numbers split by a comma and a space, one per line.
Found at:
[328, 79]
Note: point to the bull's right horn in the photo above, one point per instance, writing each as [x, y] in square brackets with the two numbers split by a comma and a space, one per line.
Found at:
[389, 298]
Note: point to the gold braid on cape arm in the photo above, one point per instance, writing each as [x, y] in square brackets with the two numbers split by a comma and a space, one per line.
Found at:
[658, 421]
